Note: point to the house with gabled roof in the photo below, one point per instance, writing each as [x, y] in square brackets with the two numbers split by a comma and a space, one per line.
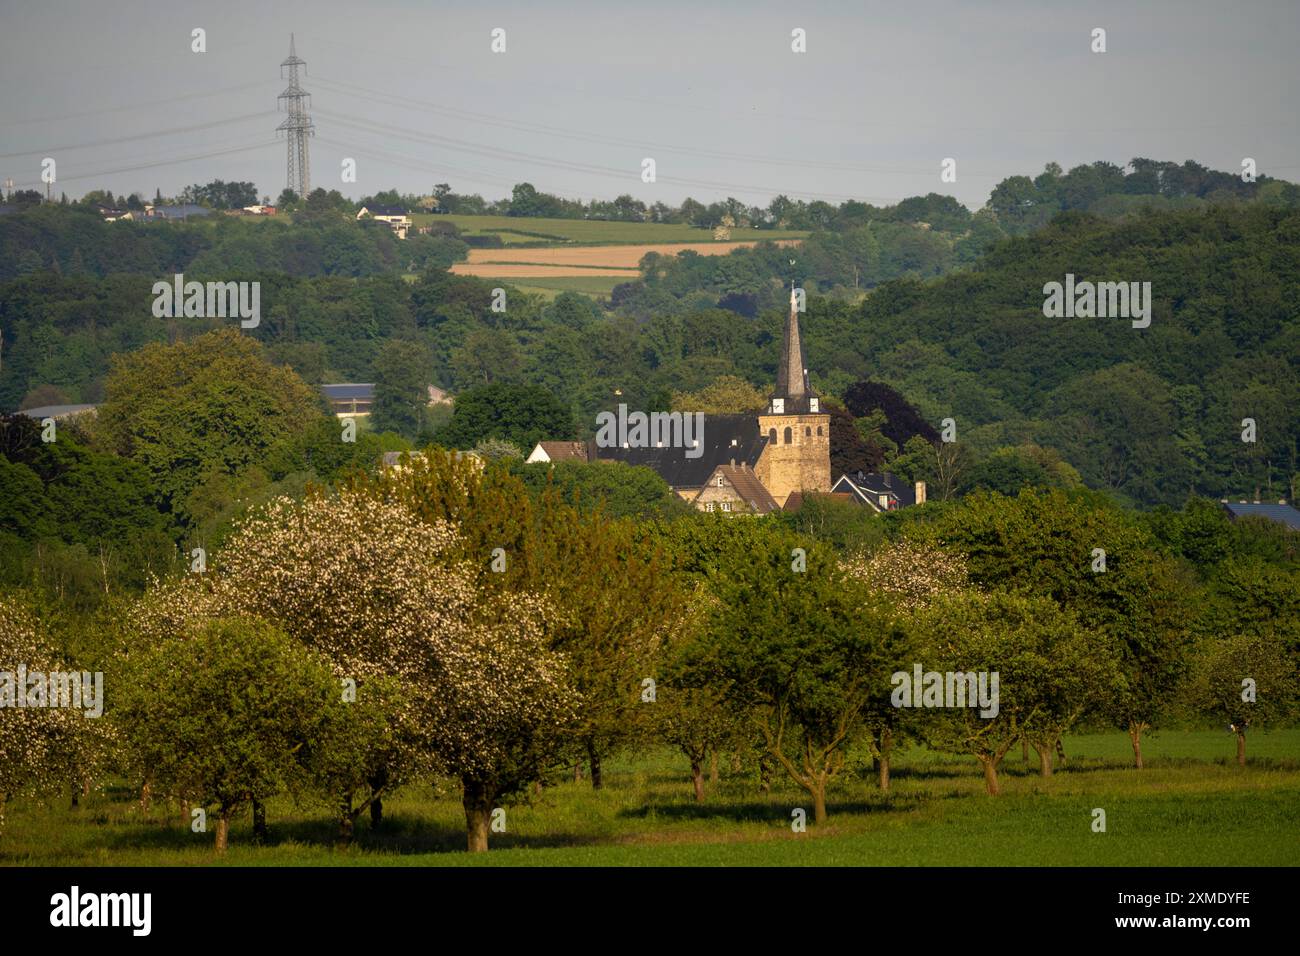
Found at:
[395, 217]
[736, 489]
[880, 492]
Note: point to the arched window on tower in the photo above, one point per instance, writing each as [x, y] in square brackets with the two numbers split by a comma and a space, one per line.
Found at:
[819, 430]
[807, 431]
[789, 435]
[771, 435]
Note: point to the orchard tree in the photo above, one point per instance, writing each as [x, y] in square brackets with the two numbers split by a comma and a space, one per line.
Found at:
[369, 744]
[612, 603]
[802, 646]
[1091, 558]
[1245, 681]
[217, 718]
[1030, 643]
[384, 590]
[40, 746]
[912, 575]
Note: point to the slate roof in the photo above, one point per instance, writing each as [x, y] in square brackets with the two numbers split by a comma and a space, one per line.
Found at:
[565, 450]
[867, 488]
[1284, 513]
[672, 465]
[346, 391]
[382, 210]
[749, 488]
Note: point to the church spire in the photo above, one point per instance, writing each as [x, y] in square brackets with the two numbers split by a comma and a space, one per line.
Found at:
[792, 389]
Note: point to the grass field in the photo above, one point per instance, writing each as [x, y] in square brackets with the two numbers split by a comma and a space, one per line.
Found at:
[516, 230]
[1190, 806]
[597, 285]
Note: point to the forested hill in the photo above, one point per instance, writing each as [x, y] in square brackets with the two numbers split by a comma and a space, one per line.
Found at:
[1149, 413]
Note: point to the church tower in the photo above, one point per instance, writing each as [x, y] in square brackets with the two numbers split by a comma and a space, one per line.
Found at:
[798, 452]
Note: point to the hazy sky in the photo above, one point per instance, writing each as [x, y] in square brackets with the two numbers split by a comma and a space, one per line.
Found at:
[586, 90]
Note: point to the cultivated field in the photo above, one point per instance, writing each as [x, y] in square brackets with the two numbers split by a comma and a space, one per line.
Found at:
[589, 232]
[554, 262]
[1191, 805]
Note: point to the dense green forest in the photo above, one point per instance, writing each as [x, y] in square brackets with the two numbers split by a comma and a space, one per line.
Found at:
[947, 313]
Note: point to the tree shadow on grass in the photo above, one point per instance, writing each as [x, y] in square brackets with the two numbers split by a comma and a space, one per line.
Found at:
[399, 835]
[767, 812]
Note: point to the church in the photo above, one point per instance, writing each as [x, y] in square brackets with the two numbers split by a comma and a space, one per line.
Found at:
[749, 463]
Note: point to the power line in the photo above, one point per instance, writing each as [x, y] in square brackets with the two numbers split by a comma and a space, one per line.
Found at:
[139, 136]
[487, 119]
[162, 162]
[570, 166]
[136, 106]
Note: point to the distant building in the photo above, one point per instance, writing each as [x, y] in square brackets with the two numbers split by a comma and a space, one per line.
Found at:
[348, 399]
[259, 210]
[152, 213]
[357, 398]
[397, 218]
[735, 488]
[58, 411]
[549, 451]
[880, 492]
[748, 463]
[1281, 512]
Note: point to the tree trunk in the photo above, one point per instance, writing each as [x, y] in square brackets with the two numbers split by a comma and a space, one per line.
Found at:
[477, 801]
[1060, 752]
[990, 776]
[223, 830]
[697, 778]
[377, 784]
[819, 801]
[346, 819]
[577, 772]
[765, 774]
[886, 746]
[1024, 749]
[144, 798]
[1135, 736]
[259, 821]
[76, 796]
[1241, 750]
[713, 768]
[186, 821]
[1044, 752]
[736, 763]
[594, 760]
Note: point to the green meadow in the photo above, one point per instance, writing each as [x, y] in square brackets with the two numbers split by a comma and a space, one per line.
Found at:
[1190, 806]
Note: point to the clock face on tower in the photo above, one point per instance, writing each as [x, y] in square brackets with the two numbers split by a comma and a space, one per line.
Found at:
[813, 404]
[778, 406]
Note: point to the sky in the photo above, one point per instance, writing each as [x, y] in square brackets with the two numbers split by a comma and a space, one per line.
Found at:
[585, 91]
